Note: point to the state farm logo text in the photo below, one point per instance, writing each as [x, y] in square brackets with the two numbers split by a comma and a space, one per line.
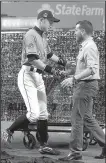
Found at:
[75, 10]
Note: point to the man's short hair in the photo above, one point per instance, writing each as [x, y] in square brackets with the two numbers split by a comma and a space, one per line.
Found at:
[86, 25]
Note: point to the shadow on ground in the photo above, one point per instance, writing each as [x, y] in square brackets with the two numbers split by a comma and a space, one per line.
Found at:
[6, 158]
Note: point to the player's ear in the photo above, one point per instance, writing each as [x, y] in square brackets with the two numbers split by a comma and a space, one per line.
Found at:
[42, 19]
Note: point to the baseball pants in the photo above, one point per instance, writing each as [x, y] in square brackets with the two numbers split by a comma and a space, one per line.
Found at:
[32, 88]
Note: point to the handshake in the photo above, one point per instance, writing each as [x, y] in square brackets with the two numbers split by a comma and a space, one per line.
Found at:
[59, 74]
[67, 81]
[70, 67]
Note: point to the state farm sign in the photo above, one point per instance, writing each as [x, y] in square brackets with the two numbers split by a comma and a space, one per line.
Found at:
[69, 13]
[75, 10]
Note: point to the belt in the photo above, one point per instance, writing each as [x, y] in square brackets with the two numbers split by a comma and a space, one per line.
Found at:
[37, 70]
[31, 68]
[87, 81]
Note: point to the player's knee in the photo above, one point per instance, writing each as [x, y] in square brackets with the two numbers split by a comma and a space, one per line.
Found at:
[32, 117]
[44, 116]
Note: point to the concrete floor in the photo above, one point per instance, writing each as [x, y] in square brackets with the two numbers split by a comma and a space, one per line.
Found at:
[60, 141]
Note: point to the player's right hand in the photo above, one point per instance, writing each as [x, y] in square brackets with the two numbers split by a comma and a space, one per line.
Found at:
[58, 73]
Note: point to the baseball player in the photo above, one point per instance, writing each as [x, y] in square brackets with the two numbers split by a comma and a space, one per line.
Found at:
[35, 53]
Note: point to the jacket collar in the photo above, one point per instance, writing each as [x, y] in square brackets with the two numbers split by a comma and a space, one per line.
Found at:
[38, 30]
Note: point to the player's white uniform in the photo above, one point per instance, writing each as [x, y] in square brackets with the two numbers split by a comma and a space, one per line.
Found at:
[30, 83]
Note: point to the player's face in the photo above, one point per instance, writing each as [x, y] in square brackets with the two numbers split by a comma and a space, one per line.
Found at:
[78, 33]
[46, 25]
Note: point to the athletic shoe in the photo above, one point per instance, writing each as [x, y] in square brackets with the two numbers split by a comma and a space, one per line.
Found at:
[7, 135]
[45, 149]
[72, 156]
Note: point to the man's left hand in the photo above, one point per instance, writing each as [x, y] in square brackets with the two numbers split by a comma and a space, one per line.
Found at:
[67, 82]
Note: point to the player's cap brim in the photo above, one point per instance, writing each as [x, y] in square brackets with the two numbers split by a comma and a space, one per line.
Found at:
[53, 19]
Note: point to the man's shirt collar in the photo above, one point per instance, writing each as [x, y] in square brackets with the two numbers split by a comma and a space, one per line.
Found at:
[86, 41]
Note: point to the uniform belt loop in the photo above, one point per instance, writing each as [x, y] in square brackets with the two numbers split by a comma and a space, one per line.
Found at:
[39, 71]
[32, 68]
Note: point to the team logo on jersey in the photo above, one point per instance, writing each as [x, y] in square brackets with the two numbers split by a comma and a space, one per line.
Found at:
[31, 45]
[46, 7]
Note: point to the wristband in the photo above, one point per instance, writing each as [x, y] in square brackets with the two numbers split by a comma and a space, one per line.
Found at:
[49, 55]
[48, 69]
[62, 62]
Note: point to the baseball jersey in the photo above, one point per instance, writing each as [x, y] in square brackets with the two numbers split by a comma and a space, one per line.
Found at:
[88, 57]
[35, 42]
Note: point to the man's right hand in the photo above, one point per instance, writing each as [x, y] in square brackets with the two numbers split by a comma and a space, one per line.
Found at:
[70, 64]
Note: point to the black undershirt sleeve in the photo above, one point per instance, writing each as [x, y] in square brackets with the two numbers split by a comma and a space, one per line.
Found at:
[49, 55]
[32, 57]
